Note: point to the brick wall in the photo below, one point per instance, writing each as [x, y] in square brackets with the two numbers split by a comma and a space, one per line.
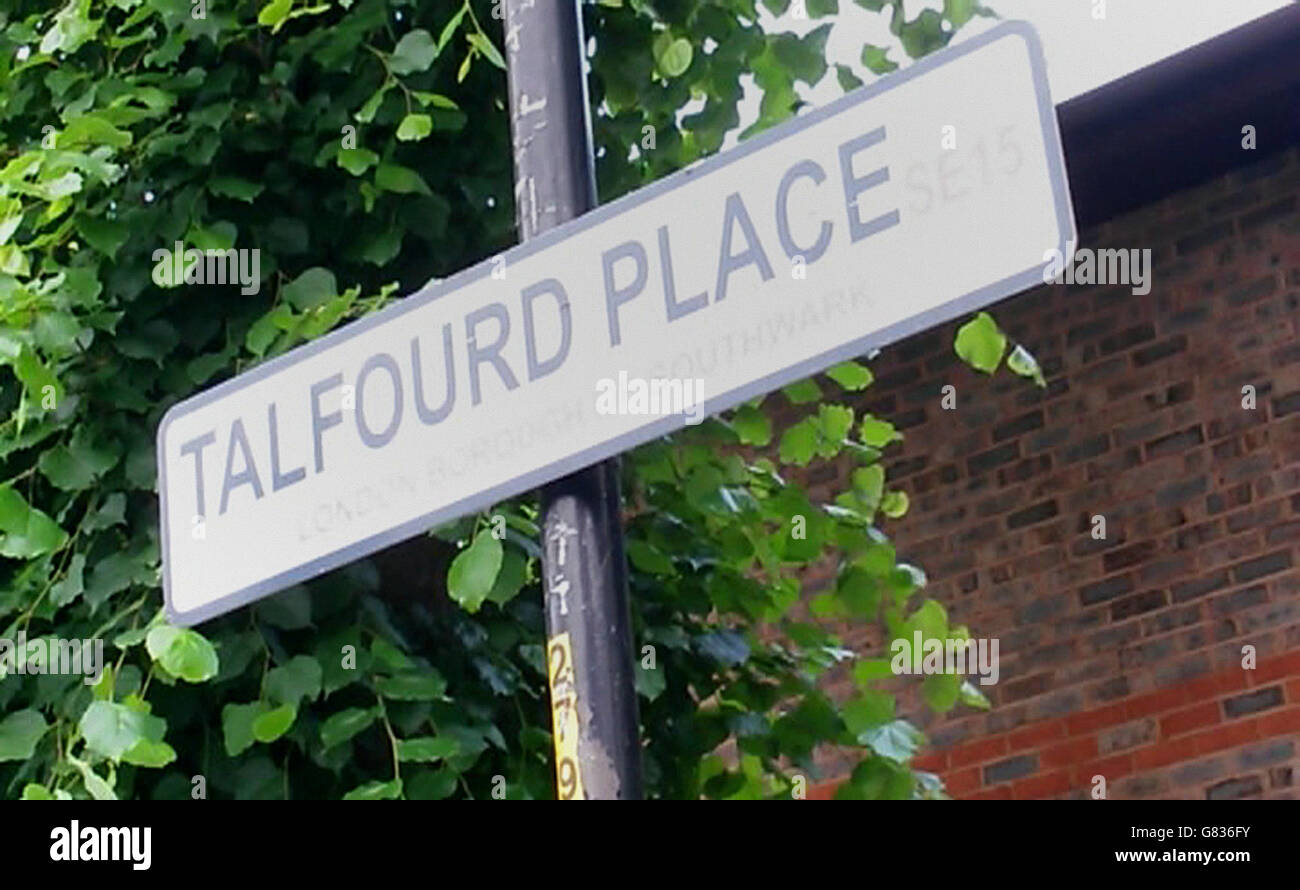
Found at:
[1122, 657]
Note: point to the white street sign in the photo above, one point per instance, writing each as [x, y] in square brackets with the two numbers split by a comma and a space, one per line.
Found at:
[841, 231]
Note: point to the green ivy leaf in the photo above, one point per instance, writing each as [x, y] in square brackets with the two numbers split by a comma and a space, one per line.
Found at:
[426, 686]
[803, 392]
[415, 127]
[650, 682]
[645, 557]
[1022, 362]
[474, 572]
[26, 532]
[753, 426]
[510, 580]
[116, 572]
[263, 332]
[105, 235]
[366, 113]
[426, 749]
[270, 725]
[869, 710]
[673, 57]
[33, 791]
[95, 784]
[851, 376]
[183, 652]
[399, 179]
[92, 129]
[971, 695]
[19, 733]
[154, 755]
[72, 584]
[234, 187]
[298, 679]
[924, 34]
[877, 60]
[275, 13]
[803, 57]
[877, 433]
[894, 505]
[312, 288]
[483, 45]
[376, 791]
[959, 12]
[340, 727]
[897, 741]
[799, 443]
[77, 465]
[868, 670]
[727, 647]
[930, 619]
[415, 52]
[834, 422]
[941, 691]
[237, 726]
[450, 28]
[869, 484]
[356, 160]
[37, 379]
[112, 729]
[429, 784]
[980, 343]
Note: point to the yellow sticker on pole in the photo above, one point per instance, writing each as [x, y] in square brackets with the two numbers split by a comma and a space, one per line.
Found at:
[565, 725]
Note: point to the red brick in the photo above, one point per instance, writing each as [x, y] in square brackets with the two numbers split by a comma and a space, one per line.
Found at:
[1110, 767]
[1293, 691]
[824, 791]
[1097, 718]
[931, 761]
[1039, 787]
[1279, 723]
[1164, 753]
[964, 782]
[1002, 792]
[1271, 669]
[1070, 753]
[1154, 703]
[977, 752]
[1188, 719]
[1034, 736]
[1228, 736]
[1215, 685]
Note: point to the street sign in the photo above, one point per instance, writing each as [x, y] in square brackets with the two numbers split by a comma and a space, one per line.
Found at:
[935, 191]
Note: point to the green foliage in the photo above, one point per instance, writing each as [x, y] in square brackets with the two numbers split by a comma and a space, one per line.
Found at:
[362, 155]
[474, 572]
[981, 344]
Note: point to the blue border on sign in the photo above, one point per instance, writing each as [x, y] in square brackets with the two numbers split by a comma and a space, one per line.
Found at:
[433, 290]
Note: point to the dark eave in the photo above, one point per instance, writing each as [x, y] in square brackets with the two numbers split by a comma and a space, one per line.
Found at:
[1178, 122]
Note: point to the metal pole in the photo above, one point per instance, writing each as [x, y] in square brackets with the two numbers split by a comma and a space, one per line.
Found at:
[589, 637]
